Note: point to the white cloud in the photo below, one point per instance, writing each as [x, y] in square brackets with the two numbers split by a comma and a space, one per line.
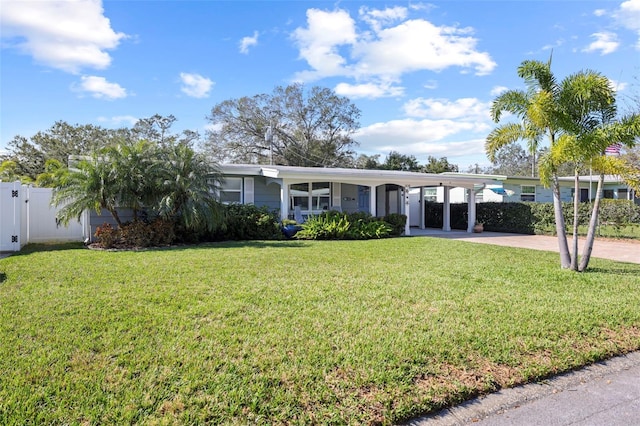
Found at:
[67, 35]
[319, 43]
[195, 85]
[368, 90]
[378, 18]
[100, 88]
[605, 43]
[599, 12]
[619, 86]
[495, 91]
[119, 120]
[464, 109]
[332, 45]
[431, 84]
[248, 42]
[628, 15]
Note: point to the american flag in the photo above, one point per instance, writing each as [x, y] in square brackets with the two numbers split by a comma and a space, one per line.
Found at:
[613, 149]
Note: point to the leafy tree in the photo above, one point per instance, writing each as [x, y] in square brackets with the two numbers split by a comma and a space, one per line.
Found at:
[54, 172]
[9, 172]
[370, 162]
[438, 165]
[291, 126]
[397, 161]
[57, 143]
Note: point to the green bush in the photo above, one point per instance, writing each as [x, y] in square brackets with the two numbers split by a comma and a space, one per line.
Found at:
[343, 226]
[248, 222]
[532, 218]
[397, 223]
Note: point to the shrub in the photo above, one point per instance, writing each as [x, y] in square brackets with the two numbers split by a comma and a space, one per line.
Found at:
[396, 222]
[135, 234]
[340, 226]
[106, 235]
[248, 222]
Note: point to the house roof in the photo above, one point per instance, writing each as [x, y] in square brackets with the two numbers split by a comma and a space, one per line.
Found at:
[358, 176]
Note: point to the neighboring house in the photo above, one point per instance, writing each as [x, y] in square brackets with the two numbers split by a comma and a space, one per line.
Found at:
[517, 189]
[310, 190]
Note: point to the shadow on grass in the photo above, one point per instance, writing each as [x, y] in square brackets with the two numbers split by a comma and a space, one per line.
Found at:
[275, 244]
[633, 269]
[3, 277]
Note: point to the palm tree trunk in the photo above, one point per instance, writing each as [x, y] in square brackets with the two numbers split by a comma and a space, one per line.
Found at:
[593, 222]
[565, 258]
[576, 206]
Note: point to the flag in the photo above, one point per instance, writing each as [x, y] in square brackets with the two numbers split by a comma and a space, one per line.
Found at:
[613, 149]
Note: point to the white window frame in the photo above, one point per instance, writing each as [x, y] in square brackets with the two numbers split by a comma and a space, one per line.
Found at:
[226, 189]
[319, 206]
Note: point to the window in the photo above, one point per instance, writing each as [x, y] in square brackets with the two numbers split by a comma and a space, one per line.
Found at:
[623, 194]
[314, 196]
[300, 195]
[528, 193]
[320, 196]
[431, 194]
[607, 193]
[231, 190]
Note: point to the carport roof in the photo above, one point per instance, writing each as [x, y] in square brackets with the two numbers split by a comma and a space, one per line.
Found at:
[359, 176]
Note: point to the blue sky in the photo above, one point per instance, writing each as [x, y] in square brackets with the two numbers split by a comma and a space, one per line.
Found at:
[422, 73]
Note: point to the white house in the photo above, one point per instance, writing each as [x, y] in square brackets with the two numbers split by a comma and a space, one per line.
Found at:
[312, 190]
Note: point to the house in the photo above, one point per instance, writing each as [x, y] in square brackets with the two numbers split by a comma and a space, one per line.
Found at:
[310, 190]
[519, 188]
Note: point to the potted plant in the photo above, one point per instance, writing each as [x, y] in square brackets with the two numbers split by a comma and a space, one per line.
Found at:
[290, 227]
[478, 227]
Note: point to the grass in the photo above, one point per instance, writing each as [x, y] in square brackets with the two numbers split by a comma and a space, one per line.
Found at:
[350, 332]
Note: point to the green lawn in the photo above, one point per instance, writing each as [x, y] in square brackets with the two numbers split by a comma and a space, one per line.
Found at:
[290, 332]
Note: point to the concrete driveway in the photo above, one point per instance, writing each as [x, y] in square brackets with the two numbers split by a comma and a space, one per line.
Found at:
[619, 250]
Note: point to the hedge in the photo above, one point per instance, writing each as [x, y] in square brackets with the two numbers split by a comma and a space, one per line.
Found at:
[529, 217]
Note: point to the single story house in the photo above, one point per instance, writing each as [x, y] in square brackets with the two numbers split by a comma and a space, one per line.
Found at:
[308, 190]
[518, 188]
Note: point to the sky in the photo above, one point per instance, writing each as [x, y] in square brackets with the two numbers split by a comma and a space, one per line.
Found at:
[423, 74]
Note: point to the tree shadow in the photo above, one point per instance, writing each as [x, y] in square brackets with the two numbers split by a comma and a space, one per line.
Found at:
[633, 269]
[3, 277]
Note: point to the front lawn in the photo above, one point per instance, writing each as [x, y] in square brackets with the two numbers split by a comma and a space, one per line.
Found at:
[293, 332]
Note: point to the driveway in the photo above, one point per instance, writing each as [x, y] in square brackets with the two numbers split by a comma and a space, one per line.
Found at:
[619, 250]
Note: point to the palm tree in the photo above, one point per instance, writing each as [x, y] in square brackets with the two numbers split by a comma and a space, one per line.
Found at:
[625, 131]
[187, 189]
[537, 109]
[90, 185]
[134, 166]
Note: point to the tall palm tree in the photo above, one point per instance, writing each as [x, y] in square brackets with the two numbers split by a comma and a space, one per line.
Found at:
[537, 109]
[625, 132]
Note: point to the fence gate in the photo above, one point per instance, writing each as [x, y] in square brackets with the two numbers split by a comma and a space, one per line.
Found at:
[10, 215]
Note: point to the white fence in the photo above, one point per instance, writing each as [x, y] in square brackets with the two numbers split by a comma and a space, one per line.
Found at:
[26, 216]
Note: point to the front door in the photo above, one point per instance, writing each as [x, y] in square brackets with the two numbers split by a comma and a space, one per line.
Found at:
[363, 198]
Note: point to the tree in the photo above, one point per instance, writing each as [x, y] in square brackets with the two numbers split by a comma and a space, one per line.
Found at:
[370, 162]
[289, 127]
[577, 116]
[438, 165]
[54, 172]
[187, 189]
[58, 143]
[89, 185]
[9, 172]
[397, 161]
[536, 108]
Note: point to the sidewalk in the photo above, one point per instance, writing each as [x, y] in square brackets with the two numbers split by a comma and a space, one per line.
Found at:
[605, 393]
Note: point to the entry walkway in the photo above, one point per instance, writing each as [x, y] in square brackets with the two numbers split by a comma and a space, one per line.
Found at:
[619, 250]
